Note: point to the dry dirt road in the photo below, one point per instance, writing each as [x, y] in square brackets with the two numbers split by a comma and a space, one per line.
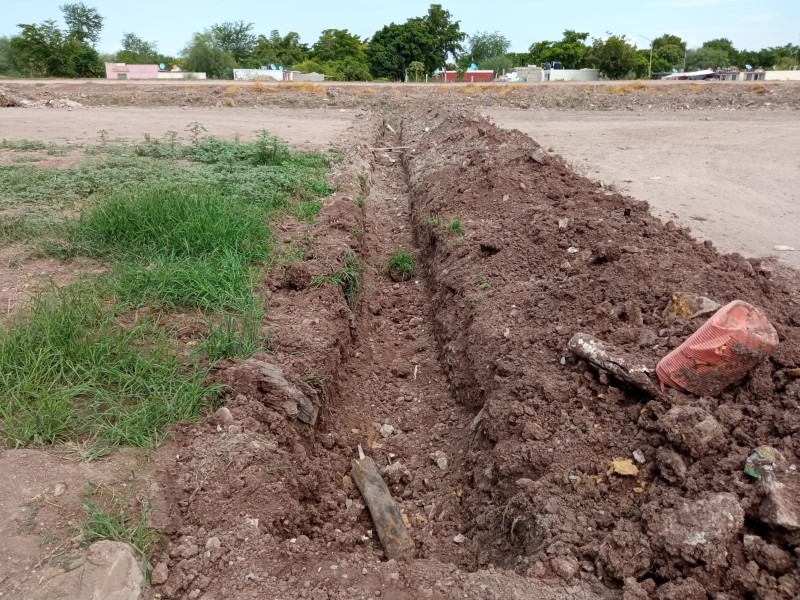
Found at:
[733, 178]
[306, 128]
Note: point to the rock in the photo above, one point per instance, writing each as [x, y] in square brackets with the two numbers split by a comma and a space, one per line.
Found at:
[386, 430]
[638, 456]
[110, 570]
[533, 431]
[160, 574]
[688, 305]
[625, 552]
[396, 473]
[671, 465]
[633, 590]
[768, 556]
[565, 567]
[459, 538]
[59, 489]
[275, 390]
[698, 531]
[563, 224]
[694, 430]
[222, 416]
[440, 458]
[213, 543]
[688, 589]
[781, 504]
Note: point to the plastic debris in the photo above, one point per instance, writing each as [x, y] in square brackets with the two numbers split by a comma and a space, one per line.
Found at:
[688, 305]
[761, 462]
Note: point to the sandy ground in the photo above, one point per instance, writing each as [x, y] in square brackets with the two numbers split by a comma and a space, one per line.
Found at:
[732, 178]
[311, 129]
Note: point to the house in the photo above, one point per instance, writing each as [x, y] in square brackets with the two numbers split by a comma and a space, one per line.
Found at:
[125, 71]
[476, 76]
[265, 73]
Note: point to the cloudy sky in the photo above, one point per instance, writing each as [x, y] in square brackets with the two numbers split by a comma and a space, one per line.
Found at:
[751, 25]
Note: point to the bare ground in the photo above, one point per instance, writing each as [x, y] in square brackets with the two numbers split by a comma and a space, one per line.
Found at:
[731, 177]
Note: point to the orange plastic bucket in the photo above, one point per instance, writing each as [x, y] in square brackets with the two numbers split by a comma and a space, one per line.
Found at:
[733, 341]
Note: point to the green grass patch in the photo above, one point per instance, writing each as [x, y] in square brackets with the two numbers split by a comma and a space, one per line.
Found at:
[348, 278]
[119, 520]
[70, 371]
[456, 226]
[401, 265]
[234, 337]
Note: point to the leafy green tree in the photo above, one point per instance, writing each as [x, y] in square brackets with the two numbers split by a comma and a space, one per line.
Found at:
[338, 44]
[707, 58]
[204, 54]
[135, 50]
[485, 45]
[280, 50]
[84, 23]
[417, 69]
[234, 37]
[42, 48]
[446, 33]
[570, 51]
[668, 53]
[617, 58]
[723, 45]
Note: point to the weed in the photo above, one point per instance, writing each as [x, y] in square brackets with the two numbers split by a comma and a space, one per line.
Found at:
[456, 226]
[476, 298]
[628, 88]
[235, 337]
[23, 145]
[118, 520]
[233, 89]
[401, 265]
[363, 183]
[274, 470]
[365, 91]
[195, 130]
[69, 371]
[303, 88]
[759, 88]
[26, 158]
[360, 202]
[356, 231]
[480, 283]
[348, 278]
[432, 220]
[19, 228]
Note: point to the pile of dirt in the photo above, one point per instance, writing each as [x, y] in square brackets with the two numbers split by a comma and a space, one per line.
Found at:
[521, 253]
[7, 99]
[561, 96]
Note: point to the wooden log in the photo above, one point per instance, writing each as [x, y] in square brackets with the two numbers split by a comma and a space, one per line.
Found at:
[386, 516]
[611, 359]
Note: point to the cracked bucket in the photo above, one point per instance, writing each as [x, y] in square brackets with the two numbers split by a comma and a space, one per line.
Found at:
[733, 341]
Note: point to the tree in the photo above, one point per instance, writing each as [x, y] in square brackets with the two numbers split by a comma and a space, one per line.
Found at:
[416, 68]
[617, 58]
[570, 51]
[338, 44]
[446, 34]
[668, 53]
[285, 50]
[43, 50]
[235, 37]
[135, 50]
[205, 55]
[484, 48]
[84, 24]
[707, 58]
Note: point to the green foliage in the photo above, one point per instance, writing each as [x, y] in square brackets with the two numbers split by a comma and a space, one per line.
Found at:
[617, 58]
[69, 371]
[571, 51]
[118, 520]
[401, 265]
[235, 38]
[84, 23]
[430, 40]
[234, 337]
[483, 47]
[205, 54]
[286, 51]
[707, 58]
[339, 55]
[348, 278]
[456, 226]
[135, 50]
[668, 53]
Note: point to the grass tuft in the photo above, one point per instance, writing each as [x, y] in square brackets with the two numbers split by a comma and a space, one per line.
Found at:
[401, 265]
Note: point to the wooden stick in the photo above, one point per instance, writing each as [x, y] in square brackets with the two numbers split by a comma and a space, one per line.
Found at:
[613, 360]
[386, 516]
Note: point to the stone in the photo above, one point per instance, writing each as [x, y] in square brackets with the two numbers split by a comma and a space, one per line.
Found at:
[386, 430]
[781, 504]
[213, 543]
[768, 556]
[222, 416]
[638, 456]
[565, 567]
[160, 574]
[687, 589]
[671, 465]
[440, 458]
[459, 538]
[694, 430]
[698, 531]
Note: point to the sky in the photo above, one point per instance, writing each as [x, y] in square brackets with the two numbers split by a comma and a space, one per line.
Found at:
[171, 23]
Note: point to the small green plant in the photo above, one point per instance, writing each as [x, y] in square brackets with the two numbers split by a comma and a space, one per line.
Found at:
[171, 137]
[360, 202]
[480, 283]
[102, 135]
[195, 130]
[456, 226]
[363, 183]
[274, 470]
[476, 298]
[401, 265]
[432, 220]
[235, 337]
[110, 517]
[348, 278]
[307, 210]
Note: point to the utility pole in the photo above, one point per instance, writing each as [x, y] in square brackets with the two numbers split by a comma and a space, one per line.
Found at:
[650, 68]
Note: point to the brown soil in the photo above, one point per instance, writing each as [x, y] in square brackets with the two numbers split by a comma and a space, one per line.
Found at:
[562, 96]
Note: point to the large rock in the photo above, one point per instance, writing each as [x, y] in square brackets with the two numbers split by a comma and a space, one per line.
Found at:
[693, 429]
[698, 531]
[781, 504]
[110, 571]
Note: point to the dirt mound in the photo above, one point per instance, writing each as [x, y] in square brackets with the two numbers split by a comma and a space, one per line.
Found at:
[521, 253]
[7, 99]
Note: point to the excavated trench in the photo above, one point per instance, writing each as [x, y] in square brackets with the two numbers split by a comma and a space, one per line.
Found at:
[494, 441]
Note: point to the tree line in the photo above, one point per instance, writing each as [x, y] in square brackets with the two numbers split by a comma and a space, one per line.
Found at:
[414, 48]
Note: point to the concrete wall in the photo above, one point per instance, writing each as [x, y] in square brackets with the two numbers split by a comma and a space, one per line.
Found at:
[307, 76]
[529, 74]
[180, 75]
[254, 74]
[781, 76]
[574, 74]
